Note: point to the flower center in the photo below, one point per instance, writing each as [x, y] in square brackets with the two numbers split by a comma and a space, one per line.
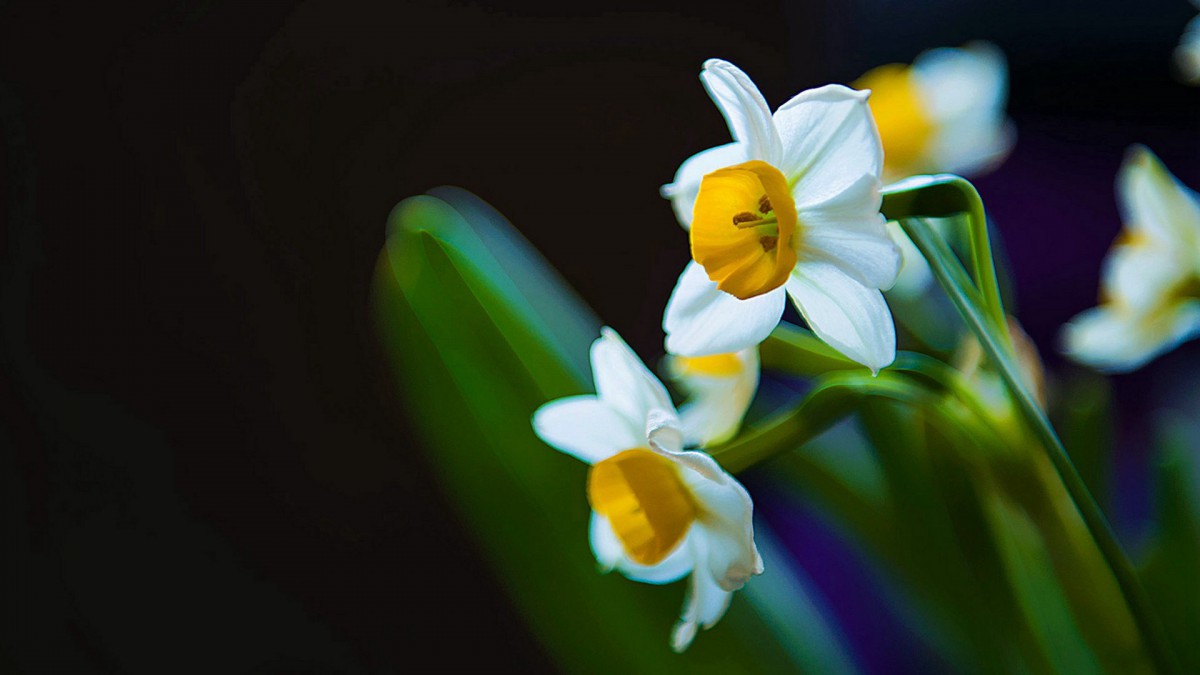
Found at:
[716, 365]
[742, 228]
[904, 126]
[643, 497]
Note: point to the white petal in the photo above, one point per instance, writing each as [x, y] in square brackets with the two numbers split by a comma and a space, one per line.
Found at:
[586, 428]
[610, 554]
[964, 81]
[1155, 202]
[829, 142]
[849, 231]
[1117, 339]
[744, 108]
[1142, 274]
[624, 384]
[726, 511]
[704, 605]
[964, 92]
[731, 557]
[716, 404]
[605, 544]
[683, 191]
[702, 320]
[852, 318]
[1187, 54]
[664, 431]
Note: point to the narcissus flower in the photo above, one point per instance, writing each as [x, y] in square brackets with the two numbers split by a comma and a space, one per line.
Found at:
[790, 208]
[1150, 288]
[719, 390]
[944, 113]
[658, 512]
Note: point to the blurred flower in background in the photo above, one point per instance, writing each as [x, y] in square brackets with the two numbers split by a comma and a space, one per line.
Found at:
[659, 512]
[1187, 54]
[719, 389]
[944, 113]
[1150, 288]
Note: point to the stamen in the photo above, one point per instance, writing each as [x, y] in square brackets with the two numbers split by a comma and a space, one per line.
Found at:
[756, 255]
[743, 217]
[744, 224]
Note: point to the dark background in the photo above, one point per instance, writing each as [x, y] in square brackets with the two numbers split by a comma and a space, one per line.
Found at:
[205, 465]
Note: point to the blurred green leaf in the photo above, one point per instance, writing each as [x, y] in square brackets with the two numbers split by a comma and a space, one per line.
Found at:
[943, 552]
[992, 335]
[1055, 635]
[1171, 567]
[1083, 416]
[481, 332]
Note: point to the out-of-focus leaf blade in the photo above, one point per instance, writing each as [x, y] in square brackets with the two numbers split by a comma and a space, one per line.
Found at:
[1084, 420]
[1171, 568]
[943, 562]
[481, 332]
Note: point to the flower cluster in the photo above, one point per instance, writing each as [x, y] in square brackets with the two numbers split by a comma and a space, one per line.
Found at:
[790, 209]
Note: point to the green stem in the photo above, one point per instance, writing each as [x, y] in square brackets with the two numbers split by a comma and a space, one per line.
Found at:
[945, 196]
[833, 398]
[966, 298]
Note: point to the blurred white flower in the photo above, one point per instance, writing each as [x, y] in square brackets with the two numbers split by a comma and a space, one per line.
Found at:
[658, 512]
[719, 390]
[790, 208]
[1151, 278]
[944, 113]
[915, 275]
[1187, 54]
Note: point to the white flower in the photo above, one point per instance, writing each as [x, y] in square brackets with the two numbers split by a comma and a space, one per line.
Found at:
[719, 390]
[1187, 54]
[945, 113]
[790, 208]
[658, 512]
[1151, 277]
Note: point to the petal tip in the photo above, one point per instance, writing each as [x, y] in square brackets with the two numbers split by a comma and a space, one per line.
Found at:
[715, 63]
[682, 636]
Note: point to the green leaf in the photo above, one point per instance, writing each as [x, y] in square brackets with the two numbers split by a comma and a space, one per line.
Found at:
[993, 338]
[1084, 417]
[798, 351]
[481, 332]
[944, 553]
[1173, 559]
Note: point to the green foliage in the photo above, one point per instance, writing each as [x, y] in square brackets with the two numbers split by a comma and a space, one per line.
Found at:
[481, 332]
[1171, 565]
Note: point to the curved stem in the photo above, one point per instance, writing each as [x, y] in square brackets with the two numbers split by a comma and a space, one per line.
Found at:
[837, 395]
[945, 196]
[967, 300]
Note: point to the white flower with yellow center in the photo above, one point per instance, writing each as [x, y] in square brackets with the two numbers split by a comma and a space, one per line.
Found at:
[790, 208]
[944, 113]
[1150, 288]
[719, 390]
[658, 512]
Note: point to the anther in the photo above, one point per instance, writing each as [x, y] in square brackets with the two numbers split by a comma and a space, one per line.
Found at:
[764, 205]
[743, 217]
[768, 243]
